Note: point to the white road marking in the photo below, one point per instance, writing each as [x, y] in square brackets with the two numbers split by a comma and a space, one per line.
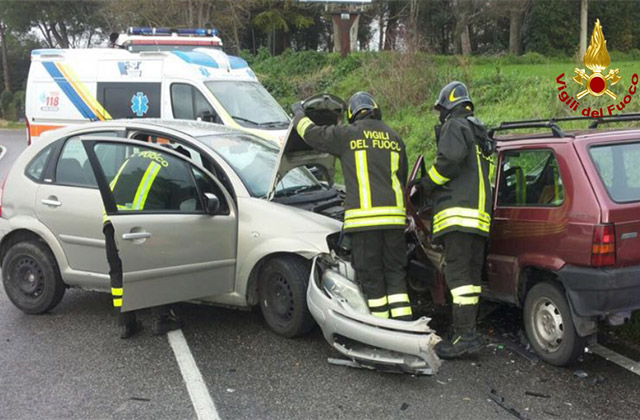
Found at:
[3, 150]
[616, 358]
[198, 391]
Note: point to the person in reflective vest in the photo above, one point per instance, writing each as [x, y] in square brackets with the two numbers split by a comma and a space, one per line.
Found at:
[374, 164]
[143, 182]
[458, 182]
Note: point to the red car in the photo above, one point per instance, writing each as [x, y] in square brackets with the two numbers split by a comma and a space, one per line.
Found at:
[565, 236]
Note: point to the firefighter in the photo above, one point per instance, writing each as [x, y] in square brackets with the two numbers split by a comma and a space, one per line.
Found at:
[374, 164]
[458, 183]
[141, 183]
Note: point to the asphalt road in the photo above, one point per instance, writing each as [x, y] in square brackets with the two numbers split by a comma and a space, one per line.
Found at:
[69, 364]
[14, 142]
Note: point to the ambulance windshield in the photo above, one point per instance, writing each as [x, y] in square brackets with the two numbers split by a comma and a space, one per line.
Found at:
[249, 104]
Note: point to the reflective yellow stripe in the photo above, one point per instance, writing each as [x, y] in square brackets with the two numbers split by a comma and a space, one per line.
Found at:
[375, 211]
[145, 185]
[466, 290]
[461, 221]
[374, 221]
[383, 314]
[395, 182]
[464, 300]
[302, 126]
[117, 303]
[481, 193]
[116, 291]
[374, 303]
[462, 212]
[398, 298]
[396, 312]
[114, 181]
[362, 170]
[436, 177]
[105, 218]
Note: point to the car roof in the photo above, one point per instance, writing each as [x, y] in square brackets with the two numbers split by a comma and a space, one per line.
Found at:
[578, 136]
[188, 127]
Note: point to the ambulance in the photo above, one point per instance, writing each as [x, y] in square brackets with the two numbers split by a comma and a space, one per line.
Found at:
[183, 78]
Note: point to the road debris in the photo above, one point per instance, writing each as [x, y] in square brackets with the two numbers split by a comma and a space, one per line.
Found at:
[597, 380]
[537, 394]
[140, 399]
[580, 374]
[498, 399]
[404, 406]
[231, 390]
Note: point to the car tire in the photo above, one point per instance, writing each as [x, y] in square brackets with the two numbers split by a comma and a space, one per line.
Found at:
[549, 326]
[31, 278]
[283, 296]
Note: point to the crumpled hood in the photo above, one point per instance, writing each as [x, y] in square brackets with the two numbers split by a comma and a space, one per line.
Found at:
[323, 109]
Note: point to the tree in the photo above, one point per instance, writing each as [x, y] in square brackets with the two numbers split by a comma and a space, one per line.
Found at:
[278, 19]
[5, 59]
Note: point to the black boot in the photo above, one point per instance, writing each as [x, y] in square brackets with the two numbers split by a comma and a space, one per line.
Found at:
[164, 320]
[465, 340]
[129, 325]
[459, 345]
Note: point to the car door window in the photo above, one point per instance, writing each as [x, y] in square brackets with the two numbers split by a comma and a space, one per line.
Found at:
[73, 166]
[36, 166]
[188, 103]
[151, 180]
[530, 178]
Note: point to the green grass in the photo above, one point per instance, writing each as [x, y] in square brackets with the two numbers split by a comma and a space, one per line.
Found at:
[11, 124]
[503, 88]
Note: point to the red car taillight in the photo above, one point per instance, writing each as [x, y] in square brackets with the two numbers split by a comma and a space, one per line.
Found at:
[603, 251]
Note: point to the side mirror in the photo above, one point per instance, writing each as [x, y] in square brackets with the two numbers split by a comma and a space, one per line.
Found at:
[212, 203]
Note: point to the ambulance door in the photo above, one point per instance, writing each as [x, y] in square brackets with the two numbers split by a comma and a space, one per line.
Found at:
[187, 102]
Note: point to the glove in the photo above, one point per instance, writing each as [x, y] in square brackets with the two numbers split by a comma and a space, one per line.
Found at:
[415, 183]
[297, 109]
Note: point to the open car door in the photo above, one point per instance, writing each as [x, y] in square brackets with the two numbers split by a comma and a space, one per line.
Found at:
[428, 274]
[175, 224]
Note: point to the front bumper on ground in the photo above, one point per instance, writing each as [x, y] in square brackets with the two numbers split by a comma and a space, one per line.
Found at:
[601, 291]
[340, 309]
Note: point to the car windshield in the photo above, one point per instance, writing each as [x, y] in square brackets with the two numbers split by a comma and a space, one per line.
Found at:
[254, 160]
[249, 104]
[619, 168]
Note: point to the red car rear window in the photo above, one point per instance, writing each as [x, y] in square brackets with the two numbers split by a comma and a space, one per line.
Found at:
[619, 168]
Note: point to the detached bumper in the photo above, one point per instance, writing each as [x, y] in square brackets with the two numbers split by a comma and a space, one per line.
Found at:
[601, 291]
[340, 310]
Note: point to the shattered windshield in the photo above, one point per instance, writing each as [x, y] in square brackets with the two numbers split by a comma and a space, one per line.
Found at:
[249, 104]
[255, 160]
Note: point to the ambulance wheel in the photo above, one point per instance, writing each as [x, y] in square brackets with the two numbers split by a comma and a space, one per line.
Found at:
[31, 277]
[283, 296]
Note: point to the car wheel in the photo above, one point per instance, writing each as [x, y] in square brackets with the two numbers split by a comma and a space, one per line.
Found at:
[549, 326]
[283, 297]
[31, 278]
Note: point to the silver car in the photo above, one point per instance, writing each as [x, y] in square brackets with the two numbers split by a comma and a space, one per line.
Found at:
[251, 222]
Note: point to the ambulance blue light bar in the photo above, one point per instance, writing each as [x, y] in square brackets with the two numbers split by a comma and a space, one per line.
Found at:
[145, 30]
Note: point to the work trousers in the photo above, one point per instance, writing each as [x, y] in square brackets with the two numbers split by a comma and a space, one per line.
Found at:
[380, 260]
[115, 265]
[464, 258]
